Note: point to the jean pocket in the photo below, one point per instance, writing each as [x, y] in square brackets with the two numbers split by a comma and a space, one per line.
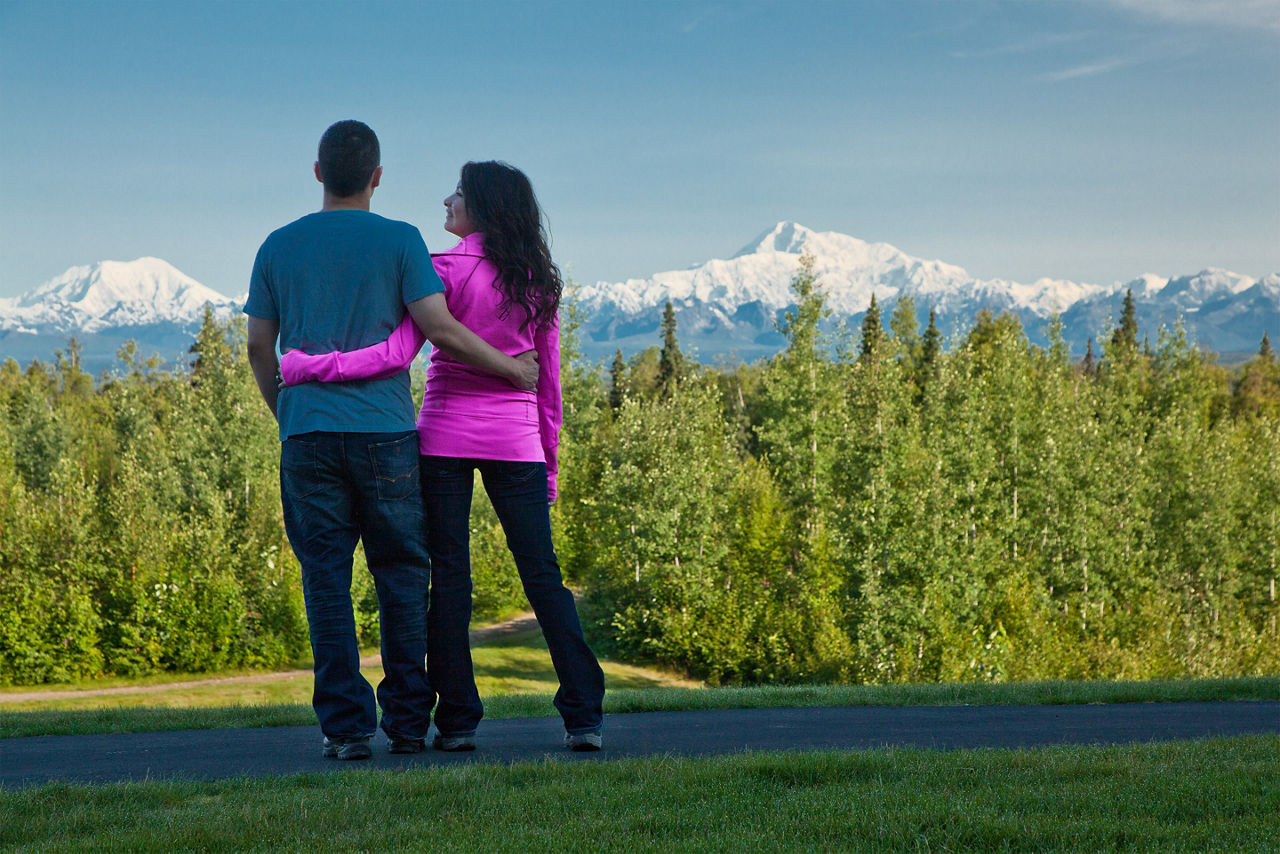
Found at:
[443, 468]
[516, 473]
[299, 470]
[527, 471]
[395, 468]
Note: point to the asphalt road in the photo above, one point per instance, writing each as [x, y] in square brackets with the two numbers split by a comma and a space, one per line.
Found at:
[219, 754]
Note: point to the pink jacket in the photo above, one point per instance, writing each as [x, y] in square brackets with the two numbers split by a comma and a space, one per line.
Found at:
[465, 412]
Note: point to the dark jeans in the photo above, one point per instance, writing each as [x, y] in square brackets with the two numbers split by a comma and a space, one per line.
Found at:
[338, 488]
[518, 491]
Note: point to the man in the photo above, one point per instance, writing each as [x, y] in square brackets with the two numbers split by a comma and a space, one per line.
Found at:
[341, 279]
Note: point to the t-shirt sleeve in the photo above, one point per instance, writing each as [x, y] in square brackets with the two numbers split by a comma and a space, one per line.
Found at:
[418, 276]
[261, 302]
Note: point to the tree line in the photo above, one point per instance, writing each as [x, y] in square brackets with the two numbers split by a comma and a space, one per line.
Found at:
[873, 506]
[868, 505]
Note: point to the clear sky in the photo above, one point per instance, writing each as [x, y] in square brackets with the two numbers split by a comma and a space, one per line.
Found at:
[1092, 140]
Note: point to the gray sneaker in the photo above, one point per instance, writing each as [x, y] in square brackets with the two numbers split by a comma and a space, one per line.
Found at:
[583, 741]
[454, 743]
[347, 748]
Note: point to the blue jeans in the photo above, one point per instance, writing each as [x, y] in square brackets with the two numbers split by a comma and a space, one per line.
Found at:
[338, 488]
[518, 492]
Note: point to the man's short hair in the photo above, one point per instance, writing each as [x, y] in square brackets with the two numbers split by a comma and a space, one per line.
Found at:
[349, 153]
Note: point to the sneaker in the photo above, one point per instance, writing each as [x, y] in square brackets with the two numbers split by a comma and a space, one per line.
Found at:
[454, 743]
[583, 741]
[347, 748]
[406, 745]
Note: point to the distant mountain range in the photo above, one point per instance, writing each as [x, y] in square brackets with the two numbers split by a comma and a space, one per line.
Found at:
[730, 306]
[724, 307]
[105, 305]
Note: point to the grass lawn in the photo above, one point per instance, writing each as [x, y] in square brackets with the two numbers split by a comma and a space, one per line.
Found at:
[516, 679]
[515, 664]
[1219, 794]
[156, 716]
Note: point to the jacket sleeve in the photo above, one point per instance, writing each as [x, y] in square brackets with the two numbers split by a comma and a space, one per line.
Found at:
[374, 362]
[546, 343]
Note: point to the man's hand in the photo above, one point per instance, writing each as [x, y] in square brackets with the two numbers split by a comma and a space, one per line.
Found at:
[528, 361]
[431, 313]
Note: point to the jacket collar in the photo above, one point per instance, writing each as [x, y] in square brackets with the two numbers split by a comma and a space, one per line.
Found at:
[472, 244]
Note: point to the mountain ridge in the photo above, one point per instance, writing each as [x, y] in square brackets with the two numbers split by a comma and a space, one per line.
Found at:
[725, 307]
[111, 294]
[709, 298]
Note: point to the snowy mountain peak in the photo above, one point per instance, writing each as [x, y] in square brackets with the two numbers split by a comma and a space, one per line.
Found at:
[1147, 285]
[113, 294]
[850, 271]
[788, 237]
[1208, 284]
[733, 303]
[97, 287]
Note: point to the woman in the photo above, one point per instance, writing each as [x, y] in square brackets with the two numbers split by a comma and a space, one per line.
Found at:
[500, 282]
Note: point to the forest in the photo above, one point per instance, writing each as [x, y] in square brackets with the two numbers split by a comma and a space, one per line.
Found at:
[870, 505]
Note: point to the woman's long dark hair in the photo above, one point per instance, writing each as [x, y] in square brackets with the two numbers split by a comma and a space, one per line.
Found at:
[502, 206]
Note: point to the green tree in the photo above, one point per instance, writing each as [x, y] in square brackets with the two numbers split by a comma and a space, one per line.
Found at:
[617, 381]
[1125, 336]
[670, 361]
[1089, 364]
[872, 331]
[930, 349]
[801, 418]
[1257, 391]
[801, 407]
[657, 544]
[39, 436]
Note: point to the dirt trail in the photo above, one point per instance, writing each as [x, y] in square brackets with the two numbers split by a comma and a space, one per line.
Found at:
[515, 625]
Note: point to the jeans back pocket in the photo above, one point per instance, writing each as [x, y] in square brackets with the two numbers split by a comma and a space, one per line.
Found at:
[299, 469]
[395, 468]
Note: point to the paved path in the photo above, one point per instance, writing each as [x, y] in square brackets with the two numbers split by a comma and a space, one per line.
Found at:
[218, 754]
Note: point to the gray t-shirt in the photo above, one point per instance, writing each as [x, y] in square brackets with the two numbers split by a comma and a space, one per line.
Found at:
[340, 280]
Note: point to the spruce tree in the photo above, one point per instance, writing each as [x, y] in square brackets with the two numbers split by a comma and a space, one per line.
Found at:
[670, 361]
[872, 332]
[617, 377]
[932, 342]
[1264, 349]
[930, 350]
[1125, 336]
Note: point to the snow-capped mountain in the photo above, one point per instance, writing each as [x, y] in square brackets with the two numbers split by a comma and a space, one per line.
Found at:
[104, 305]
[730, 305]
[723, 307]
[109, 295]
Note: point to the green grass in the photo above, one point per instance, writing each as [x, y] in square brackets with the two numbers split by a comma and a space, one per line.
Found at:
[516, 679]
[516, 664]
[1220, 794]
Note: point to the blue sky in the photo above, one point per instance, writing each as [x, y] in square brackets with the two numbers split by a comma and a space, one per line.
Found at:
[1092, 140]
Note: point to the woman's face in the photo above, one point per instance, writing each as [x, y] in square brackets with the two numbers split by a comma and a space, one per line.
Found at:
[456, 219]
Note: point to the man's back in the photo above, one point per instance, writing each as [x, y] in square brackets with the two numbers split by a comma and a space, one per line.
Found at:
[339, 280]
